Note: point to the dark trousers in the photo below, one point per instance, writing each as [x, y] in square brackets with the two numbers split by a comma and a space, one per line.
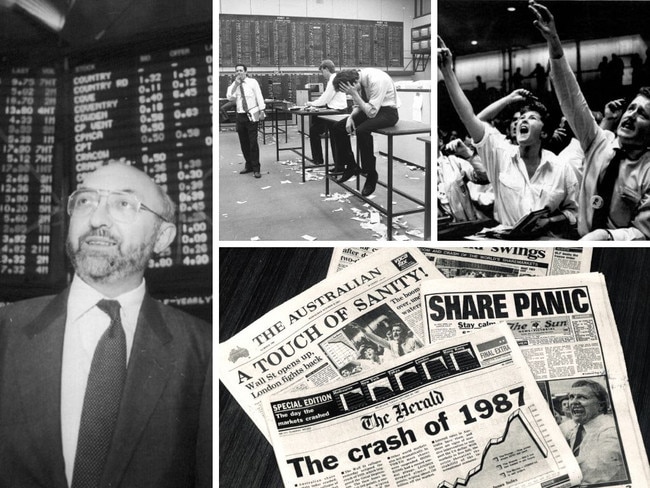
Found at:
[316, 128]
[247, 132]
[386, 117]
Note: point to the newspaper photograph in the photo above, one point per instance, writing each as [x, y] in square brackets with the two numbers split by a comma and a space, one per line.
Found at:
[566, 330]
[465, 412]
[347, 324]
[488, 262]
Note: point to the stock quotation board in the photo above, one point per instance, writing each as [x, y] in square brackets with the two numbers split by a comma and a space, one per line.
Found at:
[154, 111]
[279, 42]
[151, 108]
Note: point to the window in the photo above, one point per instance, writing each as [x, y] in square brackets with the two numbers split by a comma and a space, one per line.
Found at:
[422, 7]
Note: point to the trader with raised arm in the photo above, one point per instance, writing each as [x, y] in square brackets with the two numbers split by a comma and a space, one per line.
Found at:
[614, 196]
[525, 177]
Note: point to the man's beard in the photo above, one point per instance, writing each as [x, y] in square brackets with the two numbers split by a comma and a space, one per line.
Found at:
[108, 267]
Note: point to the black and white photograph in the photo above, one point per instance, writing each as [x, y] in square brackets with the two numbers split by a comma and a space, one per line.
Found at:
[364, 336]
[542, 120]
[573, 356]
[106, 251]
[584, 406]
[325, 120]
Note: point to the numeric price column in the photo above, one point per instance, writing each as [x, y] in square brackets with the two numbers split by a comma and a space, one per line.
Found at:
[176, 150]
[153, 133]
[28, 98]
[192, 101]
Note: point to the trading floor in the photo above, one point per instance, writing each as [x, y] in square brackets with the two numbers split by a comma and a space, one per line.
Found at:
[279, 206]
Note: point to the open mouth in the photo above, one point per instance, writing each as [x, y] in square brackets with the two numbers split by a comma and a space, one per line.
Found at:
[627, 124]
[524, 129]
[98, 241]
[577, 410]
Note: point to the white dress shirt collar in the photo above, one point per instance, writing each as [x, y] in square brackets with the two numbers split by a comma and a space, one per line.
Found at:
[83, 297]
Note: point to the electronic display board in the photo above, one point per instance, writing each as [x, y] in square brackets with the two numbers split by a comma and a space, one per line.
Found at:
[273, 86]
[258, 40]
[153, 110]
[148, 104]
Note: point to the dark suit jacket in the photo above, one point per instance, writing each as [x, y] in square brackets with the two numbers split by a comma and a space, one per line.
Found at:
[163, 436]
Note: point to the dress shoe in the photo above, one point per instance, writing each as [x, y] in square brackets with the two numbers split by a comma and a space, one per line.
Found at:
[370, 185]
[257, 174]
[245, 171]
[347, 174]
[336, 172]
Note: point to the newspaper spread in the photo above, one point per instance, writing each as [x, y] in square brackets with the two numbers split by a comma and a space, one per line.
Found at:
[487, 262]
[337, 328]
[465, 412]
[565, 328]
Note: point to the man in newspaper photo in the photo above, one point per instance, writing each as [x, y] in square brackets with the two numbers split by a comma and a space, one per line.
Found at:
[594, 439]
[369, 357]
[372, 349]
[565, 422]
[397, 340]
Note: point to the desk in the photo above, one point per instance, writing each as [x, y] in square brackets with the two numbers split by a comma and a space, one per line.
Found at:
[302, 113]
[459, 231]
[272, 106]
[403, 127]
[427, 186]
[408, 148]
[247, 459]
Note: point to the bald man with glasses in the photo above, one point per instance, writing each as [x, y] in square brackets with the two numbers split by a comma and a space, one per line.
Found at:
[102, 385]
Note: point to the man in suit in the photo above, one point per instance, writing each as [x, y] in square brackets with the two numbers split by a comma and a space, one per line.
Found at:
[153, 426]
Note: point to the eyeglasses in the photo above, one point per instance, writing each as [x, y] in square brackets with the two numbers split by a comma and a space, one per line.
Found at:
[122, 206]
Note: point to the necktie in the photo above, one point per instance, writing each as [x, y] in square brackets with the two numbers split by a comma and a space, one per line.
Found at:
[604, 190]
[101, 401]
[243, 97]
[576, 443]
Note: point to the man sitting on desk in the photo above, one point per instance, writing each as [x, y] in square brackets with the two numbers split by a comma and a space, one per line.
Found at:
[329, 99]
[375, 107]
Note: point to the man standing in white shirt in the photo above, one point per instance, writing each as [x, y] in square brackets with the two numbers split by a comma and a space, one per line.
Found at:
[246, 93]
[332, 99]
[593, 438]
